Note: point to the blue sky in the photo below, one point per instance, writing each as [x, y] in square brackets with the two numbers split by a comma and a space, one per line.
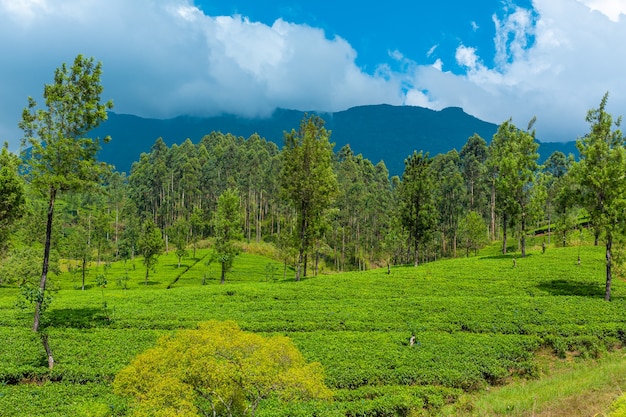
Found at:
[413, 28]
[497, 59]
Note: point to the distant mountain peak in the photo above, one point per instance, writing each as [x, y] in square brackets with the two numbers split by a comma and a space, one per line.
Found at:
[379, 132]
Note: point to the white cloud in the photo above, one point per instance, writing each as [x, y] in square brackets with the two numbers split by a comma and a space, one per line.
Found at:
[610, 8]
[167, 58]
[512, 36]
[558, 77]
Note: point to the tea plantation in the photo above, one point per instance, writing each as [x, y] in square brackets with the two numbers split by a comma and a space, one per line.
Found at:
[479, 322]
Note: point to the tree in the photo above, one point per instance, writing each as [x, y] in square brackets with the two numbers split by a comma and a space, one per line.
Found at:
[308, 181]
[227, 223]
[178, 233]
[218, 370]
[473, 156]
[472, 232]
[150, 245]
[449, 197]
[196, 225]
[12, 195]
[601, 173]
[418, 200]
[62, 158]
[512, 164]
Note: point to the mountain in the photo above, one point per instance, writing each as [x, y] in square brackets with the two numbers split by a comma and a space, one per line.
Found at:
[379, 132]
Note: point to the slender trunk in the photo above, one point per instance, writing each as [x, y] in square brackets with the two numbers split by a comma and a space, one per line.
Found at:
[549, 226]
[523, 236]
[306, 260]
[444, 249]
[147, 272]
[454, 239]
[416, 260]
[301, 254]
[504, 222]
[493, 211]
[609, 261]
[46, 347]
[84, 267]
[223, 279]
[46, 261]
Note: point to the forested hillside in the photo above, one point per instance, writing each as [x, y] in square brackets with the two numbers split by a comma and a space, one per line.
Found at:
[379, 132]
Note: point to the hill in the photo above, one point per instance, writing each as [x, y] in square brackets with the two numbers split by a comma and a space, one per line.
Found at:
[379, 132]
[478, 322]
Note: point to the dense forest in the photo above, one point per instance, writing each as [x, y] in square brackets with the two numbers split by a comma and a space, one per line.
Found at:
[323, 209]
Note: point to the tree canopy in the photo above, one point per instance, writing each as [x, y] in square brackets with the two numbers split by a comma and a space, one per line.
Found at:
[218, 369]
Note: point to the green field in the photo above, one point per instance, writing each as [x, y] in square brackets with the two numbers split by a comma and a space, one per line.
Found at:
[480, 325]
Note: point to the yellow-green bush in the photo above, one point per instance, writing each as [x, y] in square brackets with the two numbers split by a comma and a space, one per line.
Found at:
[218, 368]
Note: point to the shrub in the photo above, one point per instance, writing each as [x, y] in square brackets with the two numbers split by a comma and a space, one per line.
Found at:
[218, 368]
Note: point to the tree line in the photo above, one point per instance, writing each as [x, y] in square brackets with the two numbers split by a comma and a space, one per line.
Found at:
[319, 207]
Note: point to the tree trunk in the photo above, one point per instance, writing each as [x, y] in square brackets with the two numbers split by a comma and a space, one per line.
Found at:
[493, 211]
[147, 273]
[223, 279]
[416, 261]
[504, 221]
[454, 243]
[609, 244]
[46, 346]
[84, 266]
[46, 261]
[300, 256]
[523, 236]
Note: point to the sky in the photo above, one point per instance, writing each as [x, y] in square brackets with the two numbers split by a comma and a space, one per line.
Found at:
[497, 59]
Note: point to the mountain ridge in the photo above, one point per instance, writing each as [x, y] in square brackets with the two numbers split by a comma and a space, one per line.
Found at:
[379, 132]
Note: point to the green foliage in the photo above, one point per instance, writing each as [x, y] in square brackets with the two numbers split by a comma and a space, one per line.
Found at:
[513, 162]
[12, 194]
[22, 266]
[150, 245]
[600, 173]
[418, 200]
[308, 181]
[472, 232]
[477, 322]
[227, 224]
[62, 158]
[218, 369]
[178, 234]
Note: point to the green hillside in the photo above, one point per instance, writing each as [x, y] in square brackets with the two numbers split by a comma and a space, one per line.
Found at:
[479, 323]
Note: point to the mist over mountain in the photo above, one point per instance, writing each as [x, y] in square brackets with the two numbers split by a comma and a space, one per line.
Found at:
[379, 132]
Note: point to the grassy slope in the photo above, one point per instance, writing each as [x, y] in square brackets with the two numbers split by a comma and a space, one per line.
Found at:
[477, 322]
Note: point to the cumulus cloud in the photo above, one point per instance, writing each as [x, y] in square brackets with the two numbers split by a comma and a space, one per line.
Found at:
[166, 58]
[545, 65]
[610, 8]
